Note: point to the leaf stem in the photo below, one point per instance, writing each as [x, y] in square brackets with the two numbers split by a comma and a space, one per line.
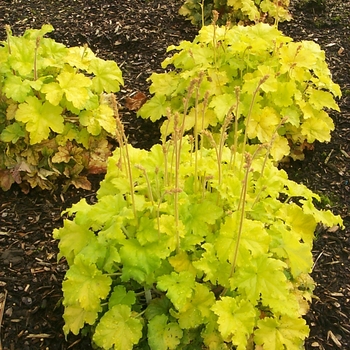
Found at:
[37, 44]
[177, 150]
[262, 81]
[241, 207]
[123, 144]
[196, 135]
[235, 131]
[138, 166]
[8, 35]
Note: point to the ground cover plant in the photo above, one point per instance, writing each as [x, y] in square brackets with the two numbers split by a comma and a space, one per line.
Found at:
[55, 114]
[192, 247]
[136, 34]
[200, 12]
[295, 80]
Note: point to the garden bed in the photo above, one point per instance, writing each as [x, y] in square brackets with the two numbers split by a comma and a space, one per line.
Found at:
[136, 34]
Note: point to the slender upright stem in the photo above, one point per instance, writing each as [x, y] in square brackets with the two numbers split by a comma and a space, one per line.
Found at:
[235, 135]
[262, 80]
[123, 145]
[202, 9]
[177, 149]
[37, 44]
[8, 35]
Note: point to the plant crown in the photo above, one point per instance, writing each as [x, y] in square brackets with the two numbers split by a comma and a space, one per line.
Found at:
[57, 111]
[200, 12]
[191, 247]
[296, 86]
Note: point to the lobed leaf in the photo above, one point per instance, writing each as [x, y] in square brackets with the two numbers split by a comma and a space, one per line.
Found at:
[75, 318]
[39, 118]
[282, 333]
[236, 319]
[179, 287]
[163, 335]
[85, 285]
[12, 133]
[107, 76]
[118, 329]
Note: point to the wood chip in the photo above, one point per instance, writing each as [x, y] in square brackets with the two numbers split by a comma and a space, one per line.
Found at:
[330, 335]
[39, 335]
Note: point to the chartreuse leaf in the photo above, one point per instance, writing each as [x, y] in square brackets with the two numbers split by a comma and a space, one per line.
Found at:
[318, 127]
[281, 333]
[121, 296]
[162, 334]
[293, 55]
[112, 230]
[80, 57]
[254, 239]
[139, 262]
[75, 318]
[181, 262]
[73, 238]
[286, 244]
[94, 253]
[22, 56]
[221, 104]
[35, 33]
[236, 319]
[52, 54]
[198, 218]
[17, 88]
[69, 133]
[179, 287]
[215, 271]
[74, 86]
[12, 133]
[284, 96]
[263, 124]
[147, 232]
[95, 120]
[85, 285]
[112, 258]
[264, 279]
[39, 118]
[280, 148]
[118, 329]
[167, 226]
[155, 108]
[320, 99]
[82, 305]
[324, 216]
[247, 7]
[105, 210]
[165, 83]
[302, 224]
[107, 76]
[197, 310]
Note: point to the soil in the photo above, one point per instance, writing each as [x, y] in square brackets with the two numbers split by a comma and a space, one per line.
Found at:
[136, 33]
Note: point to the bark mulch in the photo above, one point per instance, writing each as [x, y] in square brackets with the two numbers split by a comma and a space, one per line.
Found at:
[136, 33]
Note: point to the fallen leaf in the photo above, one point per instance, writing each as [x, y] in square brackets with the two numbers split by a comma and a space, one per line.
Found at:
[135, 102]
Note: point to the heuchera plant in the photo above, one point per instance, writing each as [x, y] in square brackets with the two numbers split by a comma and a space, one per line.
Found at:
[295, 82]
[192, 247]
[57, 111]
[200, 12]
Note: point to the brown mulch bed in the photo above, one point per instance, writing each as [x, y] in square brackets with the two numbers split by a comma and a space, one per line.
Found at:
[136, 34]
